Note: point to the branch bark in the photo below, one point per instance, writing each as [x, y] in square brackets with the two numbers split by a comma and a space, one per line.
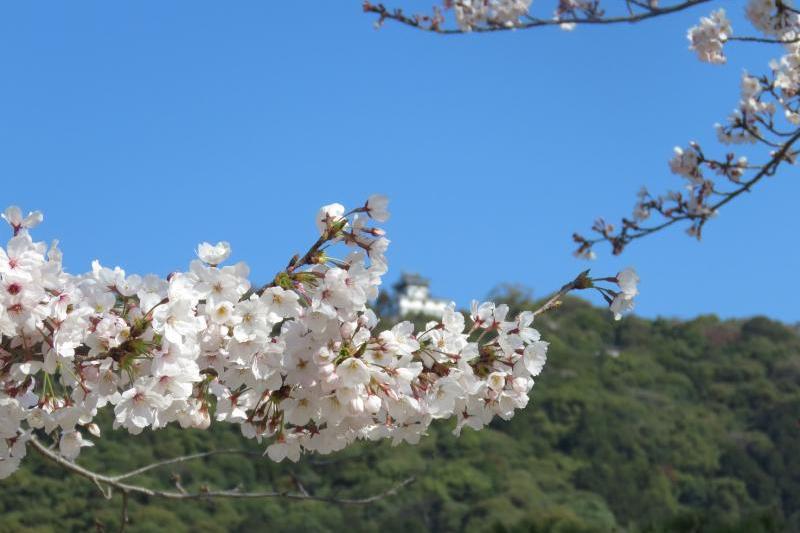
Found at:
[582, 281]
[626, 234]
[108, 483]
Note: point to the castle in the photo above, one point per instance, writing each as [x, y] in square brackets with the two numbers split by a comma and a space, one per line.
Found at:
[412, 297]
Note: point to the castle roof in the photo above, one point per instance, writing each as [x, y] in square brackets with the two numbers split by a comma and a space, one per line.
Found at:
[410, 278]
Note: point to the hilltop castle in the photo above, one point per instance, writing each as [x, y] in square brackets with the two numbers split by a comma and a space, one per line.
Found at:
[412, 297]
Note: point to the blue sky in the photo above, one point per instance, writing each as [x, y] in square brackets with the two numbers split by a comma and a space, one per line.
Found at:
[143, 128]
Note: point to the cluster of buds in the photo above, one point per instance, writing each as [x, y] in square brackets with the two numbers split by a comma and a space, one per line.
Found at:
[297, 362]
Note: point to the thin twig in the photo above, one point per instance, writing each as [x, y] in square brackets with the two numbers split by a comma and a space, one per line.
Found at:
[112, 483]
[182, 459]
[581, 282]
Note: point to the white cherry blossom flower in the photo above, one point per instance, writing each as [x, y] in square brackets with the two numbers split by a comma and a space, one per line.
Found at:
[13, 215]
[377, 207]
[71, 443]
[628, 281]
[328, 215]
[352, 372]
[213, 254]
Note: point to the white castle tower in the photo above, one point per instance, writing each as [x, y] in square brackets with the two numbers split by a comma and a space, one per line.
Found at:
[413, 297]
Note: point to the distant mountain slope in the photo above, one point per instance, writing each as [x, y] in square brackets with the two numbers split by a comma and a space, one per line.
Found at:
[634, 426]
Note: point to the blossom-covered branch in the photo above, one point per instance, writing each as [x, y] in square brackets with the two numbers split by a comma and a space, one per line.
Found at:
[297, 362]
[464, 16]
[767, 116]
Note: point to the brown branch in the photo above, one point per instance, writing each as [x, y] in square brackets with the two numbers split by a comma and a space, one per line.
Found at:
[622, 239]
[108, 483]
[582, 281]
[182, 459]
[432, 24]
[763, 40]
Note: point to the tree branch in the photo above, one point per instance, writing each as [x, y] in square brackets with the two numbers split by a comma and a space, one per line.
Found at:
[182, 459]
[113, 482]
[434, 23]
[762, 40]
[629, 232]
[581, 282]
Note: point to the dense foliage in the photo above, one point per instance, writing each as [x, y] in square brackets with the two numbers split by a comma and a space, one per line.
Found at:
[635, 426]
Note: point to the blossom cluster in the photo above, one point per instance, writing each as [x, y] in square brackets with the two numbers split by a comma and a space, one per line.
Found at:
[472, 13]
[774, 18]
[707, 39]
[299, 361]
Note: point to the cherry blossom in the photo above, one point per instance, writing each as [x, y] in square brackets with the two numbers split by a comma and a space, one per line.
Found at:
[213, 254]
[297, 363]
[13, 215]
[707, 39]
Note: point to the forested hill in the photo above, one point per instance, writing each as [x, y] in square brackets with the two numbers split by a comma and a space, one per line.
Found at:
[634, 426]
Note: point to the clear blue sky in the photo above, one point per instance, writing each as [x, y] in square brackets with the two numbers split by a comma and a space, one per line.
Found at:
[142, 128]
